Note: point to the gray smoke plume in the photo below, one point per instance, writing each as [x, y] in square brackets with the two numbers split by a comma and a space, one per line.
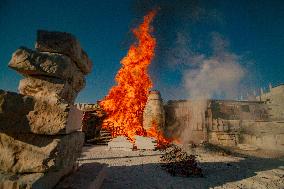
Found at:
[206, 77]
[218, 75]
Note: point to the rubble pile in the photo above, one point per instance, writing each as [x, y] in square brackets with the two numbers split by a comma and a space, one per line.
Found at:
[178, 163]
[39, 137]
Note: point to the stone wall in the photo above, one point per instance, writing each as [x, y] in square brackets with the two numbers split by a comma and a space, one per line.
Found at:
[274, 100]
[179, 117]
[39, 137]
[229, 122]
[263, 134]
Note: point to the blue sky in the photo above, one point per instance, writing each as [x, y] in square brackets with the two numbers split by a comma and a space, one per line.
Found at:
[254, 31]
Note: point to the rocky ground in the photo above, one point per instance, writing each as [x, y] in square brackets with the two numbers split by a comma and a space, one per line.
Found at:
[141, 169]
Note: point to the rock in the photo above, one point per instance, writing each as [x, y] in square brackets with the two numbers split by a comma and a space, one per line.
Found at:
[89, 175]
[24, 114]
[32, 180]
[49, 88]
[120, 143]
[30, 153]
[63, 43]
[59, 66]
[145, 143]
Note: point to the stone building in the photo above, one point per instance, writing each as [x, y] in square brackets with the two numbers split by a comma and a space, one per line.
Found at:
[230, 122]
[275, 102]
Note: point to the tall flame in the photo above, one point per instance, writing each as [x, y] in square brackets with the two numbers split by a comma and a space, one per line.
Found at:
[126, 101]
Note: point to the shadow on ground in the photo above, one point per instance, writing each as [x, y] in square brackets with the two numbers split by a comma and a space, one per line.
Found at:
[215, 174]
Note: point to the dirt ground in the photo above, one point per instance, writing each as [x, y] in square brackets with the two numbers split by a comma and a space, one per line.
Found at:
[141, 169]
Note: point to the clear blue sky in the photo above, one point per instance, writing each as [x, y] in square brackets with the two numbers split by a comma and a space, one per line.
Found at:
[254, 29]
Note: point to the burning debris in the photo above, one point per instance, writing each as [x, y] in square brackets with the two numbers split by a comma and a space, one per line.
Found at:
[178, 163]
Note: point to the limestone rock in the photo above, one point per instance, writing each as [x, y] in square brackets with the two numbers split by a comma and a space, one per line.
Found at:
[145, 143]
[63, 43]
[24, 114]
[49, 88]
[120, 143]
[30, 153]
[34, 63]
[32, 180]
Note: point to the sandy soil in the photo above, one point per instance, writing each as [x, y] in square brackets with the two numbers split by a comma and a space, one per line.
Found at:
[141, 169]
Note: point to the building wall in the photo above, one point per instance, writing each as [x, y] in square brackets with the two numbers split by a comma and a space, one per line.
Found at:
[275, 102]
[263, 134]
[180, 116]
[229, 122]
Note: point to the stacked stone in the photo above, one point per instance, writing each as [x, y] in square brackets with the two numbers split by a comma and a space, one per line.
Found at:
[39, 137]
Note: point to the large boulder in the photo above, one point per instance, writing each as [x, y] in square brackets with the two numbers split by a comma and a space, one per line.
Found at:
[30, 153]
[63, 43]
[51, 89]
[24, 114]
[33, 63]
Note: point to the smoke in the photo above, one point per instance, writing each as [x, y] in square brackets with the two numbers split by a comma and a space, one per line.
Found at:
[217, 75]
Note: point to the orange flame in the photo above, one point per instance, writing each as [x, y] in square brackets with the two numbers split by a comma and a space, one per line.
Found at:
[126, 101]
[155, 132]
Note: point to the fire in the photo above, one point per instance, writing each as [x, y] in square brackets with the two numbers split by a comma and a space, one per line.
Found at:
[155, 132]
[126, 101]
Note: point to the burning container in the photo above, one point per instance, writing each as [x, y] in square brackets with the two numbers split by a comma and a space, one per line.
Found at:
[154, 112]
